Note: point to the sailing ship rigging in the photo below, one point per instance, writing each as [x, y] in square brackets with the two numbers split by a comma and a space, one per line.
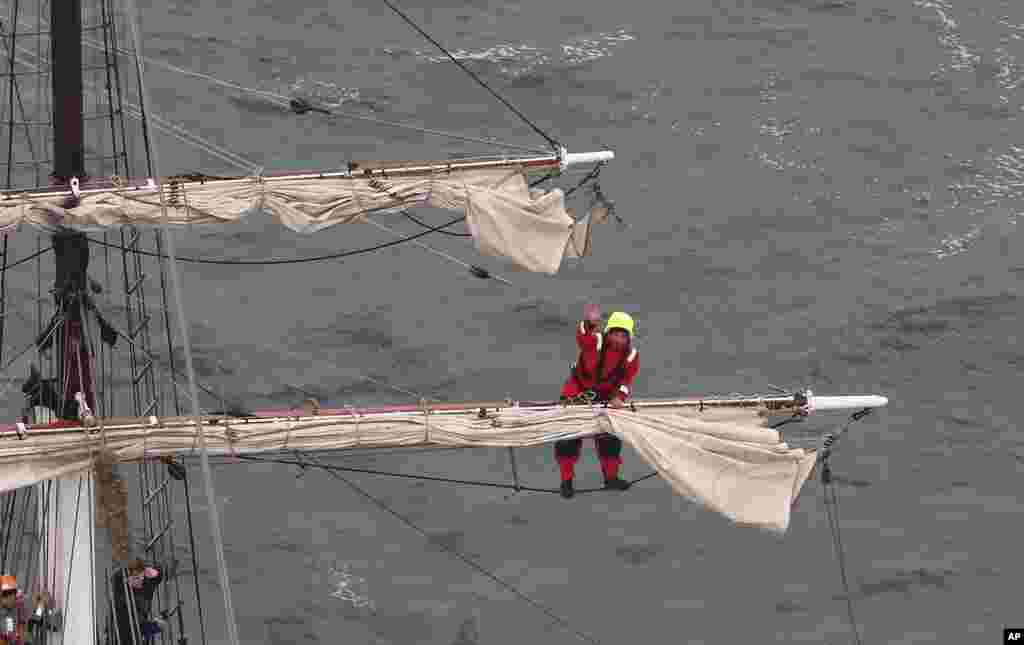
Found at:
[77, 169]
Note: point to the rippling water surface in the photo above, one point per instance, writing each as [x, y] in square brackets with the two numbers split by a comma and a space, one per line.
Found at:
[822, 193]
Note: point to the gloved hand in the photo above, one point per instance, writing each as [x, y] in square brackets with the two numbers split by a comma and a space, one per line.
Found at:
[591, 316]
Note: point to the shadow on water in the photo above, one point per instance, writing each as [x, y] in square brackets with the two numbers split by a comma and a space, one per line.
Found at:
[905, 328]
[638, 554]
[543, 316]
[289, 629]
[905, 582]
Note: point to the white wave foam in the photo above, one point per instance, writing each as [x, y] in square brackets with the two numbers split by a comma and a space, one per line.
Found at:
[964, 57]
[350, 589]
[526, 57]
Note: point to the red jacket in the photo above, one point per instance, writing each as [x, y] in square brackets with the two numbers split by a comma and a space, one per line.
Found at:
[618, 368]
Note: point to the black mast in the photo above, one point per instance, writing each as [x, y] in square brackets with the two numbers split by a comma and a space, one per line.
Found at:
[71, 249]
[66, 73]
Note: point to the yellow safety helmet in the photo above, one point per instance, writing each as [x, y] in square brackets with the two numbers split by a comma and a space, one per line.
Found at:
[8, 583]
[620, 320]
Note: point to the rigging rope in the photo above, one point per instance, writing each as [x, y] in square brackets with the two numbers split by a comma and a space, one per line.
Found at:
[281, 100]
[554, 144]
[195, 564]
[27, 258]
[274, 348]
[230, 157]
[332, 256]
[287, 102]
[832, 513]
[184, 476]
[174, 130]
[466, 559]
[474, 269]
[71, 557]
[300, 106]
[218, 541]
[7, 366]
[8, 513]
[304, 464]
[235, 159]
[3, 296]
[423, 224]
[592, 175]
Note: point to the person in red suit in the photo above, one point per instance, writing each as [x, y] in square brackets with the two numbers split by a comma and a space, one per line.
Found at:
[13, 614]
[604, 371]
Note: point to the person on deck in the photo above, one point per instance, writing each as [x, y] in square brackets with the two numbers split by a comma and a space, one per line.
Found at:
[13, 615]
[605, 370]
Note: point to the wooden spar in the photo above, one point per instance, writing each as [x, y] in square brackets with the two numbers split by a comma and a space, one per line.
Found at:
[371, 168]
[378, 169]
[780, 404]
[356, 170]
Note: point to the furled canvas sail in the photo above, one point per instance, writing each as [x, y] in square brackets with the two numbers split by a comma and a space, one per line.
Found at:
[724, 459]
[506, 218]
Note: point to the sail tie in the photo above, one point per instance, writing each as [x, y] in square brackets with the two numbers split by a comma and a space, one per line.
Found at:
[425, 406]
[358, 417]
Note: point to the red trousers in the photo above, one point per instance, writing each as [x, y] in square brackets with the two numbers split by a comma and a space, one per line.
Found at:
[609, 451]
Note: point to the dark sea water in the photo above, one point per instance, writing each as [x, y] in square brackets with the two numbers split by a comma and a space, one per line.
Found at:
[818, 193]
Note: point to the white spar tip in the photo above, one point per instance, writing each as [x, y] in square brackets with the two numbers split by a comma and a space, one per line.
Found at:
[576, 158]
[821, 403]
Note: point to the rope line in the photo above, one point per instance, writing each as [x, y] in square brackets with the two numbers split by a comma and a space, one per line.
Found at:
[474, 269]
[464, 558]
[7, 366]
[416, 220]
[3, 295]
[161, 124]
[280, 348]
[279, 99]
[273, 261]
[8, 514]
[195, 563]
[300, 106]
[27, 258]
[303, 464]
[832, 513]
[74, 546]
[552, 142]
[229, 618]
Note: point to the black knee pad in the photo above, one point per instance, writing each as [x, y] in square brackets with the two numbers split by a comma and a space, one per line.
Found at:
[608, 445]
[568, 447]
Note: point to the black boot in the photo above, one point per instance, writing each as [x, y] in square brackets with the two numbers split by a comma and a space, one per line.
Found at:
[567, 489]
[616, 484]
